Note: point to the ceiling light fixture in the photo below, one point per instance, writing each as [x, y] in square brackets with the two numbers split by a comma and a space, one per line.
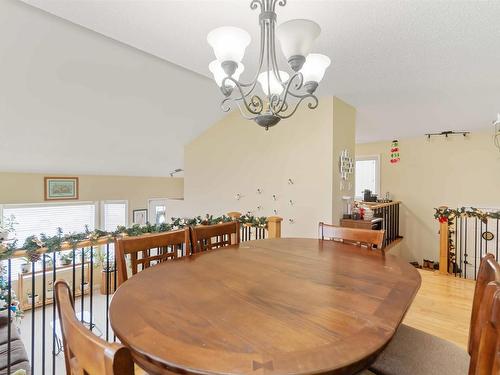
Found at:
[282, 94]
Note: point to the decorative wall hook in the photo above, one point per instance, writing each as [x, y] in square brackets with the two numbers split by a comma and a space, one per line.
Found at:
[291, 221]
[275, 212]
[275, 197]
[238, 196]
[290, 181]
[259, 208]
[259, 191]
[291, 202]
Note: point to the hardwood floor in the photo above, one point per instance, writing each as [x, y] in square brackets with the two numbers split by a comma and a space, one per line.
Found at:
[442, 307]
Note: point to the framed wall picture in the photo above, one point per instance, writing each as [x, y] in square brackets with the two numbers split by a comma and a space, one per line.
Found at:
[140, 216]
[61, 188]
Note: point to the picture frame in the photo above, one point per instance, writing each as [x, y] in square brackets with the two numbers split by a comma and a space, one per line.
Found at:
[61, 188]
[140, 216]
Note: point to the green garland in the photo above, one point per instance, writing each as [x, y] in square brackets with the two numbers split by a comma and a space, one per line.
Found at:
[443, 214]
[54, 243]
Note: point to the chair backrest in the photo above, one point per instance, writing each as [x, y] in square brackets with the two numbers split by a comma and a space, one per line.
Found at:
[366, 237]
[485, 359]
[84, 352]
[148, 250]
[489, 270]
[208, 237]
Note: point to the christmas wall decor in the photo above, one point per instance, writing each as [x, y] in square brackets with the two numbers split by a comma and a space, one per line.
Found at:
[395, 152]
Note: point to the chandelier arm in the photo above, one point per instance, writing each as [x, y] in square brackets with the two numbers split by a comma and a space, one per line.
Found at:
[255, 4]
[253, 83]
[273, 57]
[287, 91]
[312, 105]
[268, 72]
[255, 101]
[279, 2]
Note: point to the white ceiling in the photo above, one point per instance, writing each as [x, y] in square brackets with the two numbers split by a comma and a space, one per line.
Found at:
[408, 67]
[75, 102]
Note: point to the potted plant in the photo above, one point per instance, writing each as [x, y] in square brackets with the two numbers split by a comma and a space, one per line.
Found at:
[66, 258]
[49, 294]
[6, 228]
[26, 265]
[49, 262]
[36, 298]
[107, 271]
[85, 287]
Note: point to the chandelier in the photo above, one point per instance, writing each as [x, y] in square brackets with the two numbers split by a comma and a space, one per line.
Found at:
[280, 94]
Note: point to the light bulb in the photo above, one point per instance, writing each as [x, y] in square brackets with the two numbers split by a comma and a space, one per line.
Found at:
[314, 68]
[297, 36]
[274, 84]
[219, 74]
[229, 43]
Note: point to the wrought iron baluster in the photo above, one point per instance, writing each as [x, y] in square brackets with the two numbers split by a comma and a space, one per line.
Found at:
[91, 286]
[82, 286]
[33, 317]
[9, 311]
[54, 316]
[108, 279]
[44, 296]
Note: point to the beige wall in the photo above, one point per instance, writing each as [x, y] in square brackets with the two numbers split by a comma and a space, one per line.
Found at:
[452, 171]
[29, 188]
[236, 156]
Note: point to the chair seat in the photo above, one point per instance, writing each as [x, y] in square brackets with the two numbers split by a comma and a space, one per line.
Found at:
[413, 352]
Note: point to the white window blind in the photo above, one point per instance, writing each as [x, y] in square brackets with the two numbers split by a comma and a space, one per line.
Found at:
[367, 175]
[114, 214]
[46, 218]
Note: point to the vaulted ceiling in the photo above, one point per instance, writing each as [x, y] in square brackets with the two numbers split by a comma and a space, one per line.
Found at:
[408, 67]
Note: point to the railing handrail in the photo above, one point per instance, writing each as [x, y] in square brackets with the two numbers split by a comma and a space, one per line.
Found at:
[274, 229]
[378, 205]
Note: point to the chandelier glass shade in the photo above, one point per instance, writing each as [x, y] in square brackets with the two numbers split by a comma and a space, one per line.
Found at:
[281, 93]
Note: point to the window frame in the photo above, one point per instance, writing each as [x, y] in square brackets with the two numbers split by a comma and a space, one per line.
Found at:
[375, 157]
[102, 213]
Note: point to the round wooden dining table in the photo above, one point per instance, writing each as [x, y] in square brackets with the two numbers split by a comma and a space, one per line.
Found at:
[274, 306]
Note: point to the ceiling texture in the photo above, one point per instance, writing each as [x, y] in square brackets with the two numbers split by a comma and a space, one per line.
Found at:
[408, 67]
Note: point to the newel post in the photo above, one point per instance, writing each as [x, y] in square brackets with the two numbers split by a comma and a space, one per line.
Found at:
[443, 246]
[234, 215]
[274, 226]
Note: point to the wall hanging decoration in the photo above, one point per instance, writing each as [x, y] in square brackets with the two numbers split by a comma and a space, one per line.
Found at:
[290, 181]
[275, 197]
[259, 208]
[61, 188]
[487, 236]
[291, 202]
[346, 165]
[291, 221]
[259, 191]
[446, 134]
[275, 211]
[140, 216]
[282, 95]
[238, 196]
[395, 152]
[496, 134]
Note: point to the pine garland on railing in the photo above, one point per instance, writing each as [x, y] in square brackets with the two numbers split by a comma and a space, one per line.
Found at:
[54, 243]
[445, 214]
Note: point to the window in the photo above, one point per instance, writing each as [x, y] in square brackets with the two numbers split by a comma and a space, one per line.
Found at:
[157, 211]
[33, 219]
[367, 174]
[114, 214]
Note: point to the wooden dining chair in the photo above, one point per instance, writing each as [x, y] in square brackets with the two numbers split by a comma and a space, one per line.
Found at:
[486, 359]
[84, 352]
[208, 237]
[146, 251]
[361, 237]
[414, 352]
